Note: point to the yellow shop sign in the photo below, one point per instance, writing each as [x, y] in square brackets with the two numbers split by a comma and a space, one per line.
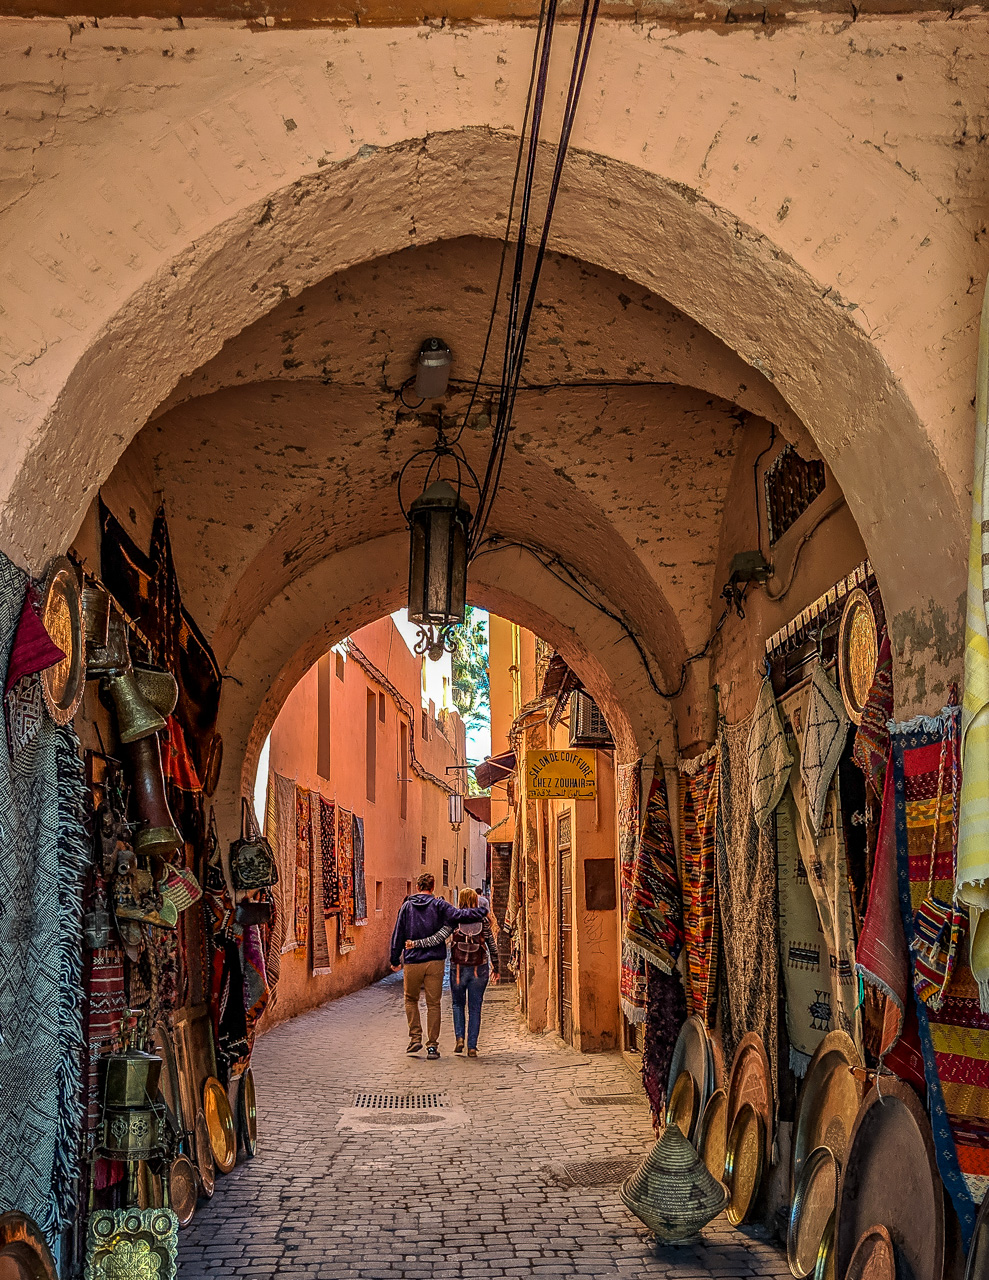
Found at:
[560, 775]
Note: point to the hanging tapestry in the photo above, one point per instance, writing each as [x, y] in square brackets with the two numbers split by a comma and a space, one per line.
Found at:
[32, 652]
[746, 875]
[256, 990]
[319, 943]
[654, 906]
[769, 755]
[665, 1015]
[280, 827]
[953, 1037]
[698, 810]
[632, 979]
[328, 846]
[105, 1006]
[274, 936]
[360, 883]
[346, 940]
[871, 747]
[825, 731]
[45, 853]
[972, 872]
[303, 863]
[177, 763]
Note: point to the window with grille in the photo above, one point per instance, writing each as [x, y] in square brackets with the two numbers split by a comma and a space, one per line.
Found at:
[446, 871]
[792, 484]
[424, 853]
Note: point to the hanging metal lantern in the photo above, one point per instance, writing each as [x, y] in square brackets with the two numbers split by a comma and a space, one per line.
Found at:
[439, 520]
[456, 803]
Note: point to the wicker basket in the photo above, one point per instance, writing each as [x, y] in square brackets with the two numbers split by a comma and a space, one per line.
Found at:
[672, 1191]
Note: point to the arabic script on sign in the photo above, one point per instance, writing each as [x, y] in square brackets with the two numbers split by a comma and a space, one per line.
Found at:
[560, 775]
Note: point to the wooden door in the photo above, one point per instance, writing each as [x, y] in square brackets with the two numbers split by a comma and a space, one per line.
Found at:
[565, 864]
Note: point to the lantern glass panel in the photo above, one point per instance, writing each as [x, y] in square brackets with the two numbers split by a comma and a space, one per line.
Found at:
[456, 809]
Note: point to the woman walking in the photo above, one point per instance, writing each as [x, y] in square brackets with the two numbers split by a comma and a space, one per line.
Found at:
[472, 946]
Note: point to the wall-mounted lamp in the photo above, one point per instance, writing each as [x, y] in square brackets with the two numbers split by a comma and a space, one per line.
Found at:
[439, 520]
[456, 803]
[433, 369]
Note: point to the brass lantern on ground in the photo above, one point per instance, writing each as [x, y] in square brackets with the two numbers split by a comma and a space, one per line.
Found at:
[439, 520]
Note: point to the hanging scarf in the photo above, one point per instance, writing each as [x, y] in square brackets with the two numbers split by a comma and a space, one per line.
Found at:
[698, 810]
[654, 905]
[303, 863]
[319, 949]
[825, 731]
[632, 992]
[769, 756]
[346, 940]
[328, 843]
[360, 883]
[665, 1015]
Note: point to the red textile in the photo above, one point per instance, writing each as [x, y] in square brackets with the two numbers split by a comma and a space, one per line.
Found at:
[176, 760]
[33, 649]
[871, 749]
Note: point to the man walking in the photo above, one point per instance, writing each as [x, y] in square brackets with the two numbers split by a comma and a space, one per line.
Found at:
[422, 915]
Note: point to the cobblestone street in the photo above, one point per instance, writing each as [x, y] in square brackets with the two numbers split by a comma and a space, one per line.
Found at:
[470, 1189]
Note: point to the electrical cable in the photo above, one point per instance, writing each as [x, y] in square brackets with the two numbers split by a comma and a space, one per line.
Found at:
[825, 515]
[755, 482]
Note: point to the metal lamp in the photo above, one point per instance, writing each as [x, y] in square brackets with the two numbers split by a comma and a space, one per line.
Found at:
[456, 803]
[433, 369]
[438, 521]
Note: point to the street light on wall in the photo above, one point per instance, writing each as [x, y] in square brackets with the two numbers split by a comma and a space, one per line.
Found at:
[439, 520]
[456, 803]
[433, 369]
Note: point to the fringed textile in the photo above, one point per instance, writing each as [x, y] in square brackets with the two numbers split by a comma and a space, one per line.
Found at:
[870, 750]
[106, 1004]
[972, 871]
[632, 978]
[826, 728]
[256, 990]
[654, 903]
[319, 942]
[43, 856]
[746, 875]
[331, 871]
[303, 863]
[665, 1015]
[282, 834]
[698, 810]
[953, 1037]
[769, 756]
[346, 940]
[360, 882]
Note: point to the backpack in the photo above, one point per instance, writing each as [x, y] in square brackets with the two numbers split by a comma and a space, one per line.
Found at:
[468, 949]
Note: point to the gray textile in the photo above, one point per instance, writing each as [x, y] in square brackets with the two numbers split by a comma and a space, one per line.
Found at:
[746, 877]
[43, 855]
[823, 742]
[360, 880]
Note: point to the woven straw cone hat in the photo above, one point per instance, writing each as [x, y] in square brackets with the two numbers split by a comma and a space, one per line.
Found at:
[672, 1191]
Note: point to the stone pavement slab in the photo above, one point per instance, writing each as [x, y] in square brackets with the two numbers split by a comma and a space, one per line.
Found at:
[464, 1190]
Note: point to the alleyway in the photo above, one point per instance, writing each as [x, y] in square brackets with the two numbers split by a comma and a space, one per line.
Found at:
[472, 1195]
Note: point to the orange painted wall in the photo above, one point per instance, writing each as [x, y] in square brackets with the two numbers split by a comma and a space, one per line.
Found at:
[393, 844]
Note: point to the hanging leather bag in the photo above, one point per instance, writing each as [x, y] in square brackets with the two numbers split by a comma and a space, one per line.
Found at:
[252, 862]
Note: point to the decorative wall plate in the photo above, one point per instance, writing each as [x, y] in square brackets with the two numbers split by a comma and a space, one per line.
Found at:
[692, 1052]
[220, 1123]
[750, 1081]
[24, 1255]
[247, 1108]
[813, 1208]
[63, 685]
[682, 1107]
[874, 1257]
[183, 1189]
[205, 1165]
[890, 1177]
[712, 1133]
[829, 1102]
[825, 1254]
[858, 652]
[744, 1161]
[138, 1243]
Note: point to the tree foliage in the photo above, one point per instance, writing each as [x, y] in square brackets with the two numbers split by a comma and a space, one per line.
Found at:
[471, 684]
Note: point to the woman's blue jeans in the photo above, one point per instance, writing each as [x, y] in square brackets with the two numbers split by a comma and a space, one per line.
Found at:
[467, 983]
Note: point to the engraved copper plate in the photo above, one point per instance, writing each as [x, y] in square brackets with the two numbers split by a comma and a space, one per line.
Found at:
[137, 1243]
[829, 1101]
[183, 1189]
[750, 1082]
[890, 1177]
[874, 1257]
[712, 1134]
[743, 1162]
[813, 1207]
[248, 1105]
[858, 652]
[63, 684]
[205, 1165]
[692, 1052]
[24, 1255]
[977, 1266]
[682, 1108]
[220, 1124]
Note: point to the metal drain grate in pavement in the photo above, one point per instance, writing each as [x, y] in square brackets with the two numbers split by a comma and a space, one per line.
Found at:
[611, 1099]
[400, 1102]
[592, 1173]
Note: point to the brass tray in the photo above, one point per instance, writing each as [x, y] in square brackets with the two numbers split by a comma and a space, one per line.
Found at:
[247, 1106]
[874, 1257]
[63, 685]
[131, 1242]
[890, 1176]
[205, 1165]
[858, 652]
[24, 1255]
[743, 1162]
[682, 1107]
[829, 1102]
[712, 1134]
[183, 1189]
[977, 1266]
[751, 1082]
[692, 1052]
[825, 1254]
[813, 1208]
[220, 1123]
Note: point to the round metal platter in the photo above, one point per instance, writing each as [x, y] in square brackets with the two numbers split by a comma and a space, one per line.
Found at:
[24, 1255]
[751, 1082]
[824, 1270]
[874, 1257]
[220, 1123]
[63, 685]
[183, 1189]
[743, 1162]
[692, 1052]
[248, 1108]
[890, 1177]
[712, 1134]
[829, 1102]
[205, 1165]
[813, 1208]
[682, 1107]
[977, 1266]
[858, 652]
